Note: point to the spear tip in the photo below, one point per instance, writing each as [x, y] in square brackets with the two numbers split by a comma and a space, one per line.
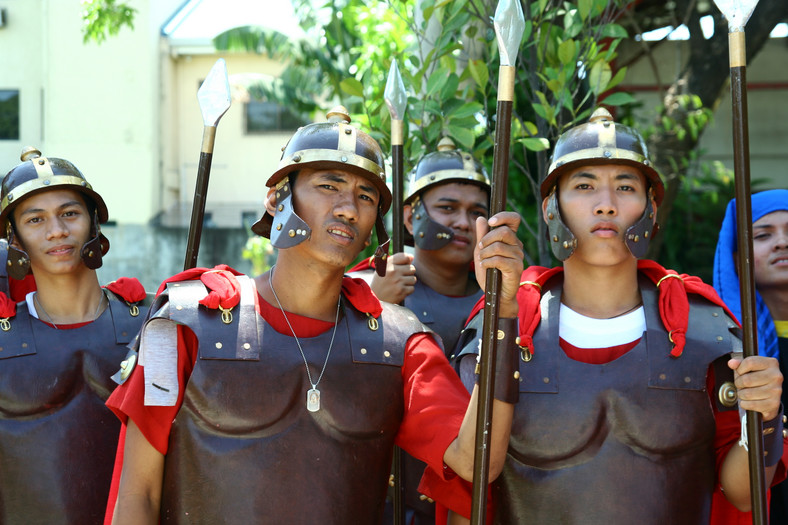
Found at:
[395, 96]
[736, 12]
[509, 24]
[214, 94]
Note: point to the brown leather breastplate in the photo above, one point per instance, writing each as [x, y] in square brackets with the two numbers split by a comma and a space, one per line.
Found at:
[629, 441]
[442, 314]
[57, 439]
[244, 425]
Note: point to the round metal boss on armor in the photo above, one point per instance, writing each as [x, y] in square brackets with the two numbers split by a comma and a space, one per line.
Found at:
[601, 141]
[448, 164]
[335, 145]
[37, 174]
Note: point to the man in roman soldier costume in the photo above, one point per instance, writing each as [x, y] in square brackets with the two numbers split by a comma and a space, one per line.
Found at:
[447, 191]
[279, 399]
[629, 390]
[59, 347]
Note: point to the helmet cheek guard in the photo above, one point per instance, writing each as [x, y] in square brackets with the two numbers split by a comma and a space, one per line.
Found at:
[444, 166]
[18, 263]
[562, 241]
[287, 228]
[428, 234]
[96, 248]
[639, 234]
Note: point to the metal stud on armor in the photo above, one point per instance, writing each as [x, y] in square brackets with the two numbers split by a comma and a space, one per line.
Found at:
[275, 432]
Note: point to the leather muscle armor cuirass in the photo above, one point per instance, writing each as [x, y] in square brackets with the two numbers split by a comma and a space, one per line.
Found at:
[243, 447]
[57, 438]
[629, 441]
[442, 314]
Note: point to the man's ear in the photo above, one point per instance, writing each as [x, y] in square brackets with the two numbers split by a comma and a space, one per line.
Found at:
[270, 201]
[13, 237]
[16, 244]
[544, 209]
[407, 217]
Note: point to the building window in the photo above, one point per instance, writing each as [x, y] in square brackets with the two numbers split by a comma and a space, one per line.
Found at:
[263, 116]
[9, 114]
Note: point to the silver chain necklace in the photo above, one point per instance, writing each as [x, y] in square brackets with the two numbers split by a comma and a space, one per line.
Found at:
[313, 394]
[49, 317]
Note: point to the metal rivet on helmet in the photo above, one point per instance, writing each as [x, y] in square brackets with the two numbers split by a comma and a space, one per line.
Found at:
[447, 164]
[35, 174]
[324, 145]
[601, 141]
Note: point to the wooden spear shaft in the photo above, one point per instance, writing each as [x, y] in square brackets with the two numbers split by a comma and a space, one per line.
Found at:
[481, 461]
[741, 162]
[397, 226]
[397, 239]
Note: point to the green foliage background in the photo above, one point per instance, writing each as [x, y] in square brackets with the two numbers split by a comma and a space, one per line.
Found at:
[448, 56]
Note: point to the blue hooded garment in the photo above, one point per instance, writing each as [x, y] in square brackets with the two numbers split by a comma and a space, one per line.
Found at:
[726, 280]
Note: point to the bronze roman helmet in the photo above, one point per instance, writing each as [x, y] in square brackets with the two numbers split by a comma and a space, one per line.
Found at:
[600, 141]
[448, 164]
[333, 144]
[37, 174]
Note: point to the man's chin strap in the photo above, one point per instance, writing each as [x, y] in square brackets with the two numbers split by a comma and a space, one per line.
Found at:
[382, 251]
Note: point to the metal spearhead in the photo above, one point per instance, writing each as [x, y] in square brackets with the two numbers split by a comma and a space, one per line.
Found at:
[509, 24]
[214, 94]
[736, 12]
[395, 96]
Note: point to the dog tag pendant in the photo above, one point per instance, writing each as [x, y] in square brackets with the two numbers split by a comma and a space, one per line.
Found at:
[313, 400]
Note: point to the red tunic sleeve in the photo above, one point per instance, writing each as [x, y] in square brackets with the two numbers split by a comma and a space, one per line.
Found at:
[435, 402]
[728, 433]
[155, 422]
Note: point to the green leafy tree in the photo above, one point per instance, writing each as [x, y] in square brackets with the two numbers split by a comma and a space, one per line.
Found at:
[679, 122]
[574, 55]
[445, 49]
[103, 18]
